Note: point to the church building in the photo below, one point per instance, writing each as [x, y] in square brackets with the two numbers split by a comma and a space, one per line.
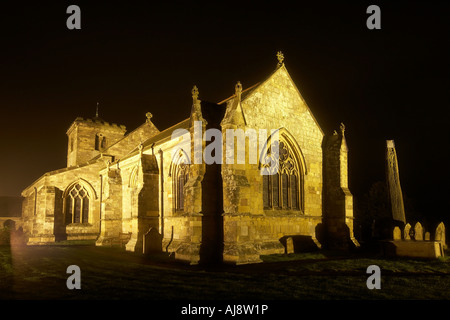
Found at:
[142, 191]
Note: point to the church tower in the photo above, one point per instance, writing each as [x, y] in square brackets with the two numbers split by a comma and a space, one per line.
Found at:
[87, 138]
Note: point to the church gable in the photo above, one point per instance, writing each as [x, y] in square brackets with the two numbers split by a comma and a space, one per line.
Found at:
[277, 97]
[277, 103]
[133, 139]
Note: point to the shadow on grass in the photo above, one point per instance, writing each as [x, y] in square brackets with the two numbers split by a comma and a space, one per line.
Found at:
[111, 273]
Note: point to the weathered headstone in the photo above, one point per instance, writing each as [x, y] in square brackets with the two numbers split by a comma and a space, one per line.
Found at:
[289, 245]
[406, 231]
[393, 183]
[397, 234]
[152, 241]
[439, 235]
[418, 231]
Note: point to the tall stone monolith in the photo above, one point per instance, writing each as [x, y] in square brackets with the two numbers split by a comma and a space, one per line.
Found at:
[393, 183]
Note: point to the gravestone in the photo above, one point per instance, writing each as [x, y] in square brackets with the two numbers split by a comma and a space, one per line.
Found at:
[418, 232]
[406, 231]
[152, 241]
[393, 183]
[397, 234]
[439, 235]
[289, 245]
[427, 236]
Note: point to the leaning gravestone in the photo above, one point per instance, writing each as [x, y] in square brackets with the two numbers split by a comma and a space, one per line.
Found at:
[393, 183]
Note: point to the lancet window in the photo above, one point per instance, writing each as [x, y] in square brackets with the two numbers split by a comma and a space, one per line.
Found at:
[180, 176]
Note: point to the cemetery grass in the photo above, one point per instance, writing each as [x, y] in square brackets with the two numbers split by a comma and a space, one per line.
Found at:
[110, 273]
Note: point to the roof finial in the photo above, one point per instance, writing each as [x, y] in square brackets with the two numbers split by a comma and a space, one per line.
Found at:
[194, 93]
[280, 58]
[344, 142]
[149, 116]
[342, 127]
[196, 111]
[238, 89]
[96, 111]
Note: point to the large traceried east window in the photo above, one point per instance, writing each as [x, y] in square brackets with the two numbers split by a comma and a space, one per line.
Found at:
[77, 205]
[283, 182]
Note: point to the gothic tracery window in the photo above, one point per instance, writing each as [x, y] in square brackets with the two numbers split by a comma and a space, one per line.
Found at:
[181, 176]
[77, 205]
[282, 183]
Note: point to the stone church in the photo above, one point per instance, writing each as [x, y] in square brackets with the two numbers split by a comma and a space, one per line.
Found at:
[133, 189]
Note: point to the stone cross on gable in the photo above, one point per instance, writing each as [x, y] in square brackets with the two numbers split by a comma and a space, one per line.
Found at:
[238, 89]
[280, 58]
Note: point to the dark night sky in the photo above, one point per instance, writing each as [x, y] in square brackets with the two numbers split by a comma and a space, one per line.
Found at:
[135, 57]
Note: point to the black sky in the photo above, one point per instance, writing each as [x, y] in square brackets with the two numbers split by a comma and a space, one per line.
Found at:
[134, 57]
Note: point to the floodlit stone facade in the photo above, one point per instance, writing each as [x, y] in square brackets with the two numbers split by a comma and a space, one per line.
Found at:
[142, 191]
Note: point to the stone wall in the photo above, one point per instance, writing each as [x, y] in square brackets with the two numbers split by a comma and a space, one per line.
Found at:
[43, 205]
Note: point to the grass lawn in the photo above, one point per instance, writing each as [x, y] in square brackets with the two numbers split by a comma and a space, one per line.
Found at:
[110, 273]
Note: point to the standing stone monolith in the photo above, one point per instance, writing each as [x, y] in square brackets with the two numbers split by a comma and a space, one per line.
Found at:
[393, 183]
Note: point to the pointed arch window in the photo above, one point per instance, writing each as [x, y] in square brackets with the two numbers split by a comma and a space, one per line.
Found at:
[282, 183]
[180, 177]
[77, 205]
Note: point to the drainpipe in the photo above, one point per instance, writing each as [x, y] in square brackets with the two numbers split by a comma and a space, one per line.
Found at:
[35, 202]
[161, 173]
[100, 209]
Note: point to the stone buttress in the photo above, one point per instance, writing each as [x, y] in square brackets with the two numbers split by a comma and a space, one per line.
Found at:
[338, 200]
